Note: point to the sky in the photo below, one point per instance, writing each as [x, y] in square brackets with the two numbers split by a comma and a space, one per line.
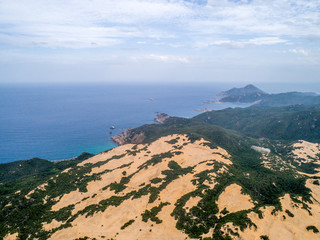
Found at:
[44, 41]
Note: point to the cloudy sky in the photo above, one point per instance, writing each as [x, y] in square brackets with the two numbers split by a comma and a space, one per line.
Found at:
[159, 40]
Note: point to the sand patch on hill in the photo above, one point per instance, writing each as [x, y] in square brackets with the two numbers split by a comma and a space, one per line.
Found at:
[314, 188]
[109, 222]
[106, 155]
[193, 201]
[281, 225]
[233, 200]
[310, 175]
[306, 151]
[13, 236]
[191, 154]
[53, 224]
[196, 153]
[40, 187]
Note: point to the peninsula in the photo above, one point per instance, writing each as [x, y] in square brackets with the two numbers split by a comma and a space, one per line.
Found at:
[253, 95]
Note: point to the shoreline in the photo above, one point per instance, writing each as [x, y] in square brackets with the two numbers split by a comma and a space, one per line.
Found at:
[29, 151]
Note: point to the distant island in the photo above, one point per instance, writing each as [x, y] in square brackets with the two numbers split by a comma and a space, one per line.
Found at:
[247, 94]
[236, 173]
[254, 95]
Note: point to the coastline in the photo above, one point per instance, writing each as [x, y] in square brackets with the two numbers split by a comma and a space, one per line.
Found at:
[76, 132]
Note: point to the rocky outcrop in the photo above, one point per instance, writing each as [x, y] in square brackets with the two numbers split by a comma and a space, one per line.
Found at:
[129, 136]
[161, 118]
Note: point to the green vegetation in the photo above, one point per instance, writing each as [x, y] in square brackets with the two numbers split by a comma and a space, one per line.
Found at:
[117, 187]
[289, 98]
[25, 215]
[309, 167]
[210, 145]
[152, 213]
[290, 214]
[135, 151]
[155, 159]
[264, 237]
[202, 217]
[287, 123]
[127, 224]
[313, 228]
[155, 180]
[172, 141]
[171, 175]
[316, 182]
[263, 185]
[14, 171]
[224, 211]
[195, 130]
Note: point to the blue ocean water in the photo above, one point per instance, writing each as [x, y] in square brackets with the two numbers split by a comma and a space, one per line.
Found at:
[57, 122]
[61, 121]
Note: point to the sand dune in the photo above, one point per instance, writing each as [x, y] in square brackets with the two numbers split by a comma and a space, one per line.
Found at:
[146, 166]
[107, 224]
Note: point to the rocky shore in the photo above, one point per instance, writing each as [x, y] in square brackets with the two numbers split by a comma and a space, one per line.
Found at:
[128, 136]
[161, 118]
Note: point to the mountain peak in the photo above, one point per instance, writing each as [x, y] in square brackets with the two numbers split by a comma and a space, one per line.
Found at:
[251, 86]
[247, 94]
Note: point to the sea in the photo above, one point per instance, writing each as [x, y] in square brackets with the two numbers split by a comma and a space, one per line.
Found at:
[60, 121]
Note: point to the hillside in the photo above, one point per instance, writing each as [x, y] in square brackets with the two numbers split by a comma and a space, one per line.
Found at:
[176, 187]
[35, 167]
[290, 98]
[286, 123]
[192, 127]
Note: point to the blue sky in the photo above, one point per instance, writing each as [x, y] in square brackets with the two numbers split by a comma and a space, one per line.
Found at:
[159, 40]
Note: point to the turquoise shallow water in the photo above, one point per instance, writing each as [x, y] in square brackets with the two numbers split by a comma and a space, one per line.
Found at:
[61, 121]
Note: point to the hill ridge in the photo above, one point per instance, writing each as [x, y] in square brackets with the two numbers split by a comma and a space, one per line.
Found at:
[176, 187]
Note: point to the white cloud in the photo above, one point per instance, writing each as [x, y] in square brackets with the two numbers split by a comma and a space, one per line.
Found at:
[83, 24]
[299, 51]
[243, 43]
[168, 58]
[266, 41]
[91, 11]
[278, 18]
[160, 58]
[100, 23]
